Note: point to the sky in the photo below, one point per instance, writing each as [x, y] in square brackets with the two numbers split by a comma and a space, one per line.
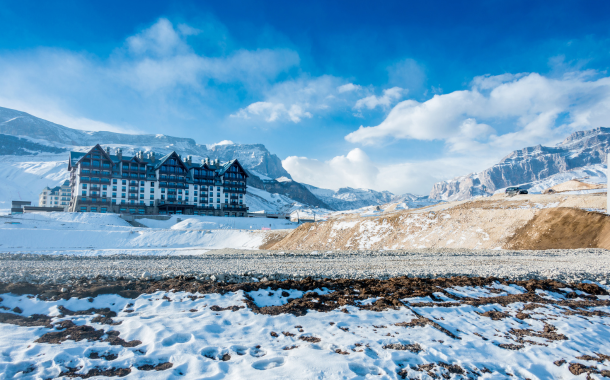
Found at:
[389, 96]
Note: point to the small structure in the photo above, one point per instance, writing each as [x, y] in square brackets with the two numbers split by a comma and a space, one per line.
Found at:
[17, 206]
[59, 196]
[28, 209]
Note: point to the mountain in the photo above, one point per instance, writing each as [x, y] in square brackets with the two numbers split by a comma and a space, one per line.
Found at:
[347, 198]
[252, 156]
[580, 149]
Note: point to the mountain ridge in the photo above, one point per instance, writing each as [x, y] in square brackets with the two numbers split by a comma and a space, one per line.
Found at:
[529, 164]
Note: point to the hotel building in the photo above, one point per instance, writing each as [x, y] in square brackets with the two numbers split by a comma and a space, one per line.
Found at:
[144, 184]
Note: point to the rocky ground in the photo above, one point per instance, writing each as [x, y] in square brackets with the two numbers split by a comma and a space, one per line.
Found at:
[236, 266]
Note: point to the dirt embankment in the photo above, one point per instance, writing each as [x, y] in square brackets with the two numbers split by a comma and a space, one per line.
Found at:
[563, 228]
[524, 222]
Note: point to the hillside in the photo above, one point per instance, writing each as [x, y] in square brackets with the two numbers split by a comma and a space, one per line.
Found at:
[579, 150]
[496, 222]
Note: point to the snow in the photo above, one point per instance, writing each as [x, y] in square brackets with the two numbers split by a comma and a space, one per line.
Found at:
[106, 234]
[187, 333]
[194, 222]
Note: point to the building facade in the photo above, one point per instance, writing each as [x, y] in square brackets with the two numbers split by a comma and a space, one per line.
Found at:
[144, 184]
[59, 196]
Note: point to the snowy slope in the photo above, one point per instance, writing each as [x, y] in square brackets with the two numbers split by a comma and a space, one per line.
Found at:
[24, 177]
[106, 234]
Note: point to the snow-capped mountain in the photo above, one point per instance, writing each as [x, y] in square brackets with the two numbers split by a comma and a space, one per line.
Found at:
[580, 149]
[347, 198]
[45, 133]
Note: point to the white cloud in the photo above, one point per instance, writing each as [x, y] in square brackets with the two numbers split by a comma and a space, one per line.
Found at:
[357, 170]
[155, 72]
[273, 112]
[348, 87]
[528, 104]
[389, 96]
[300, 98]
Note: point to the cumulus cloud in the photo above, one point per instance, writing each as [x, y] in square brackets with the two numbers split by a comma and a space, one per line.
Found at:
[389, 96]
[301, 98]
[273, 112]
[357, 170]
[529, 103]
[348, 87]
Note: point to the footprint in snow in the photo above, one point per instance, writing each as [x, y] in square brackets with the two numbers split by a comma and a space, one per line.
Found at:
[257, 352]
[268, 364]
[175, 339]
[362, 370]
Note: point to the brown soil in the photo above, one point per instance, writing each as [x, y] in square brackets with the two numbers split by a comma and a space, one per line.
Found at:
[76, 333]
[415, 348]
[158, 367]
[120, 372]
[31, 321]
[563, 228]
[310, 339]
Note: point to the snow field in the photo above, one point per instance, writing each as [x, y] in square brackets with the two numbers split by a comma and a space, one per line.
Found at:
[71, 233]
[185, 331]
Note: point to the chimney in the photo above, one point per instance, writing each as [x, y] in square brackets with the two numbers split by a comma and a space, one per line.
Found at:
[216, 162]
[119, 153]
[189, 159]
[108, 150]
[151, 157]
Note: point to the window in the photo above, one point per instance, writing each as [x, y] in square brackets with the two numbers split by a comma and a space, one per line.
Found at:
[124, 182]
[113, 188]
[141, 196]
[141, 211]
[132, 210]
[113, 195]
[104, 187]
[152, 184]
[152, 196]
[142, 190]
[152, 203]
[124, 188]
[103, 210]
[93, 209]
[83, 209]
[103, 194]
[195, 199]
[179, 191]
[162, 196]
[142, 184]
[186, 192]
[84, 194]
[179, 197]
[123, 210]
[123, 195]
[84, 185]
[122, 201]
[114, 181]
[142, 203]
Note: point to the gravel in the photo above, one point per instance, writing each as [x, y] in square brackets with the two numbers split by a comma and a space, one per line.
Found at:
[235, 266]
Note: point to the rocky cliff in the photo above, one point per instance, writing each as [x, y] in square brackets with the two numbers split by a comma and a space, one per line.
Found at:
[530, 164]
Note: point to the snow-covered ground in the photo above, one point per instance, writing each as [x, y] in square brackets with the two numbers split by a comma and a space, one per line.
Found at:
[195, 339]
[94, 234]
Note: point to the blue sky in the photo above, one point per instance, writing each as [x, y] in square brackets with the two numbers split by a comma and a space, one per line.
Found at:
[393, 97]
